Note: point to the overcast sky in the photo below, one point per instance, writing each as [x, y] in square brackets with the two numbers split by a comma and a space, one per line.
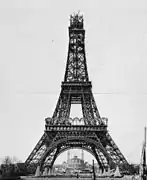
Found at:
[33, 54]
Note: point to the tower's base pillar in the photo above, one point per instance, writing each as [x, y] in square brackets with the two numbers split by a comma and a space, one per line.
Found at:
[38, 173]
[49, 171]
[45, 172]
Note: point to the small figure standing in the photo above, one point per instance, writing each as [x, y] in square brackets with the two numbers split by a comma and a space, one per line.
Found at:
[77, 175]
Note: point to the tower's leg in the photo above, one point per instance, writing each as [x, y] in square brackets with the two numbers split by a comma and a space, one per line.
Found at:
[50, 171]
[38, 173]
[34, 155]
[98, 160]
[45, 172]
[114, 152]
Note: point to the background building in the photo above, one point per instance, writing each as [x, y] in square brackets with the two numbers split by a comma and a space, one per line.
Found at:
[74, 164]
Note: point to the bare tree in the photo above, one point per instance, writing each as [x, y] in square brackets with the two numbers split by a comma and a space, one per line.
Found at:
[16, 160]
[9, 166]
[7, 160]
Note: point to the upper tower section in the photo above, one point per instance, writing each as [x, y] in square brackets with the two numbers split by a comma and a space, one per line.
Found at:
[76, 21]
[76, 67]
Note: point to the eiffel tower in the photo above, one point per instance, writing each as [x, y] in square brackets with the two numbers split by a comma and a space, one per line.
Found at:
[88, 132]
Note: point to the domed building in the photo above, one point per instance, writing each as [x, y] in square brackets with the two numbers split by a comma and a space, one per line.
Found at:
[76, 163]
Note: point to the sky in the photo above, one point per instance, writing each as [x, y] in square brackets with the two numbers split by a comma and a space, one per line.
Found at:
[33, 55]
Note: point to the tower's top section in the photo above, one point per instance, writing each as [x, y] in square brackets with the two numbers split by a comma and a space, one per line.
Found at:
[76, 67]
[76, 21]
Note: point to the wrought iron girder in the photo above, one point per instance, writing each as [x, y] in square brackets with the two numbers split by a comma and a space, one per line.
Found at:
[90, 110]
[105, 163]
[73, 140]
[76, 67]
[36, 149]
[63, 106]
[51, 158]
[100, 162]
[115, 150]
[37, 155]
[77, 93]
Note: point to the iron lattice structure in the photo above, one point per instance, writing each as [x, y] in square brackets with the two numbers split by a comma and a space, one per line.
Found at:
[89, 132]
